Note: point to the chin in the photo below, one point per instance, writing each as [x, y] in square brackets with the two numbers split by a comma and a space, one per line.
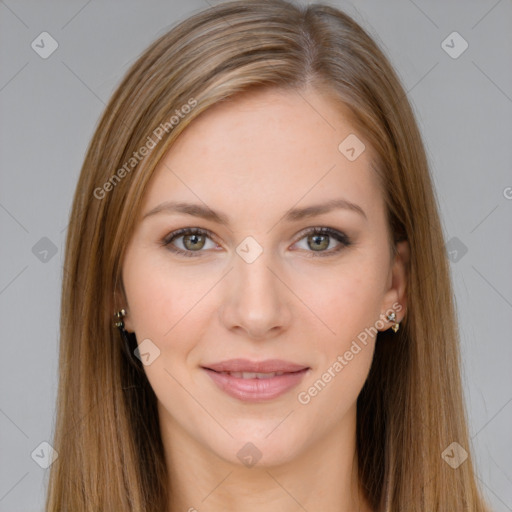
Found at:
[250, 448]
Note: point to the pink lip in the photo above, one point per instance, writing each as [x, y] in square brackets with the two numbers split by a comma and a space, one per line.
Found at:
[256, 390]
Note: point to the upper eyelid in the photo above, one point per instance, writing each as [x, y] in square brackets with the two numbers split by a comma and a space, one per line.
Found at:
[184, 231]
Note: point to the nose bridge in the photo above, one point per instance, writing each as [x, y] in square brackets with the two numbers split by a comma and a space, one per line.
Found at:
[254, 275]
[256, 284]
[255, 298]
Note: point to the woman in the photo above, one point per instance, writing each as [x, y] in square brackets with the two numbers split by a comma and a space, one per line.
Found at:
[256, 211]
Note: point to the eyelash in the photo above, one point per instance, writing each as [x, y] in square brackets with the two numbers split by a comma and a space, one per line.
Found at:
[337, 235]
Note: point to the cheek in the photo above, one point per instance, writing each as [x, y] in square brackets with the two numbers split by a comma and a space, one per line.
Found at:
[350, 309]
[165, 307]
[349, 304]
[161, 297]
[347, 301]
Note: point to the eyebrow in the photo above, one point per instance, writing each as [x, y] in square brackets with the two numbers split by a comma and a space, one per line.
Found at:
[198, 210]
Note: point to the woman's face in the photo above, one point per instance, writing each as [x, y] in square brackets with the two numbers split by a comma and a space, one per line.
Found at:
[255, 292]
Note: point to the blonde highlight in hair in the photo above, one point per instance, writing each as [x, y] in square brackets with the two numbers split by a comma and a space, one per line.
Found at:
[411, 407]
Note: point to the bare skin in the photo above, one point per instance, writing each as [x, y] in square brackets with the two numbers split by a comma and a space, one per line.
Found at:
[253, 159]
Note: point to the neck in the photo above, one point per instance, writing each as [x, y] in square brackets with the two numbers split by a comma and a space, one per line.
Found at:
[323, 477]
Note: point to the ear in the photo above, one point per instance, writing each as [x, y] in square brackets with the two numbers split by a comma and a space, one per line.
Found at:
[121, 302]
[395, 297]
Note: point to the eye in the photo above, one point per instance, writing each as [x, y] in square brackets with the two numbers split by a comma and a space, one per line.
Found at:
[193, 240]
[320, 238]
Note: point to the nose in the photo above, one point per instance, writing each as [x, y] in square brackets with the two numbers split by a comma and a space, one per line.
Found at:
[256, 301]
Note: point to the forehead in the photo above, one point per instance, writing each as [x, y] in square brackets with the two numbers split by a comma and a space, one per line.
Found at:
[265, 151]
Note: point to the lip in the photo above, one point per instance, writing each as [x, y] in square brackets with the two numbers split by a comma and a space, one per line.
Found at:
[256, 389]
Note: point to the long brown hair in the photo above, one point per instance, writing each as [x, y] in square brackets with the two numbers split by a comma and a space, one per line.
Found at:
[411, 407]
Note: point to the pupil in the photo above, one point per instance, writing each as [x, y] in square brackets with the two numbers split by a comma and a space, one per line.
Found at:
[316, 241]
[195, 241]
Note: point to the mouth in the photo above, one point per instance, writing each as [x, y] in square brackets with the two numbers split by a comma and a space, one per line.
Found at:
[252, 375]
[252, 381]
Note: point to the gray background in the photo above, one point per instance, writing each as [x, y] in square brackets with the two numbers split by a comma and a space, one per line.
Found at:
[49, 110]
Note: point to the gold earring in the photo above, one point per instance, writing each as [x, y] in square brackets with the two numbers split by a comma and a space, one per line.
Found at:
[392, 318]
[120, 323]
